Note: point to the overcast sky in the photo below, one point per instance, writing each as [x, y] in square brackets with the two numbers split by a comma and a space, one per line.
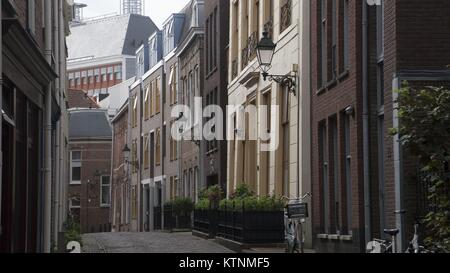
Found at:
[158, 10]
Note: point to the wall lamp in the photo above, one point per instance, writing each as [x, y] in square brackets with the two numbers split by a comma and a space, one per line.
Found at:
[265, 51]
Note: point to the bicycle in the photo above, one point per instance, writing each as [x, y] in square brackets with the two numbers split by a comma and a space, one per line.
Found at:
[295, 215]
[386, 246]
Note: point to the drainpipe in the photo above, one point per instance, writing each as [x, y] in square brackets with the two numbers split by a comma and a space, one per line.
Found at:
[62, 81]
[366, 156]
[48, 133]
[1, 116]
[57, 170]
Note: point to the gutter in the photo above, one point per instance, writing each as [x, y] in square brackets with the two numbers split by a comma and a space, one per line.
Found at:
[366, 150]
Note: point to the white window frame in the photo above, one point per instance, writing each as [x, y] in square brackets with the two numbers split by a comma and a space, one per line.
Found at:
[105, 205]
[75, 164]
[71, 206]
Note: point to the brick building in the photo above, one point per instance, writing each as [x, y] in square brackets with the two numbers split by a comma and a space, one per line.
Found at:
[360, 55]
[191, 72]
[90, 169]
[34, 125]
[120, 184]
[216, 27]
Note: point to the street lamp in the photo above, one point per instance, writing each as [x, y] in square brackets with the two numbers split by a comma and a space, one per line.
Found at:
[265, 51]
[126, 153]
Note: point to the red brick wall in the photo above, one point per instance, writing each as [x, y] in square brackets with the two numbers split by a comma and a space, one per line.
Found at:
[95, 157]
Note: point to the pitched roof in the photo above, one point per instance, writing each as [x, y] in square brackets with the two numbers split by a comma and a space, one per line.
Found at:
[89, 124]
[110, 36]
[80, 99]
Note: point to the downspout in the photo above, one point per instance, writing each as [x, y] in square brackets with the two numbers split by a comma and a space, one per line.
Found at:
[48, 133]
[398, 169]
[366, 150]
[58, 128]
[1, 116]
[62, 80]
[111, 211]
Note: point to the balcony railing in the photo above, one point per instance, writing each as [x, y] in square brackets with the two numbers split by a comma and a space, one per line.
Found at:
[286, 15]
[245, 59]
[268, 27]
[252, 44]
[234, 69]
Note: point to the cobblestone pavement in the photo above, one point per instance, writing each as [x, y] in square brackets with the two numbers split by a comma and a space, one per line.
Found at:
[152, 242]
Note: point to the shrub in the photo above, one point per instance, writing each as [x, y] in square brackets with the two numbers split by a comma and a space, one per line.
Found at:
[73, 231]
[182, 207]
[252, 203]
[203, 204]
[242, 191]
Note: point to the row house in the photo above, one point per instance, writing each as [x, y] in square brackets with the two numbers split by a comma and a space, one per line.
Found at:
[215, 71]
[191, 74]
[89, 192]
[34, 125]
[153, 153]
[269, 150]
[361, 54]
[95, 66]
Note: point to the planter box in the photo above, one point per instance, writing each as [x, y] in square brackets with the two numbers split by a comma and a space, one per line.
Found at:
[248, 227]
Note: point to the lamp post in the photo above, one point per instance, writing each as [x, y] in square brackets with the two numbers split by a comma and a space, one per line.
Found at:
[126, 153]
[265, 51]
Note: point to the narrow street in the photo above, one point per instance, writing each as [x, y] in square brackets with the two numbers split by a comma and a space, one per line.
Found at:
[153, 242]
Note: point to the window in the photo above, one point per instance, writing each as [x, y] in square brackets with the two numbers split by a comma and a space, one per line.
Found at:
[84, 77]
[157, 96]
[134, 205]
[91, 76]
[173, 85]
[146, 152]
[173, 187]
[152, 98]
[77, 78]
[31, 20]
[134, 156]
[324, 177]
[158, 147]
[74, 203]
[118, 72]
[334, 178]
[322, 81]
[135, 111]
[111, 73]
[173, 145]
[286, 14]
[104, 77]
[334, 39]
[346, 34]
[105, 191]
[146, 103]
[75, 166]
[348, 174]
[97, 75]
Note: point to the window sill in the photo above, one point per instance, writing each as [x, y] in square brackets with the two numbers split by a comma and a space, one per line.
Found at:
[335, 237]
[215, 150]
[75, 183]
[210, 73]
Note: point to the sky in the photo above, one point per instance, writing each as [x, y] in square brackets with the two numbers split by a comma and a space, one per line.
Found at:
[158, 10]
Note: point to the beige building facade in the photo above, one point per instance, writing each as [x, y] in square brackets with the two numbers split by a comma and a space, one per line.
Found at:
[270, 164]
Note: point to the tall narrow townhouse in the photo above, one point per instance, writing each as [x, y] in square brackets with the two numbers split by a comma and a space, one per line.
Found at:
[34, 125]
[263, 128]
[216, 25]
[190, 62]
[361, 54]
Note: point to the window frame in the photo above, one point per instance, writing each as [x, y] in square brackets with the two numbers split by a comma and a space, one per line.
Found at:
[75, 164]
[102, 186]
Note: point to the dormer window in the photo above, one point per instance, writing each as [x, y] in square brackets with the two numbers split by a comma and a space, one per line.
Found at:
[169, 37]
